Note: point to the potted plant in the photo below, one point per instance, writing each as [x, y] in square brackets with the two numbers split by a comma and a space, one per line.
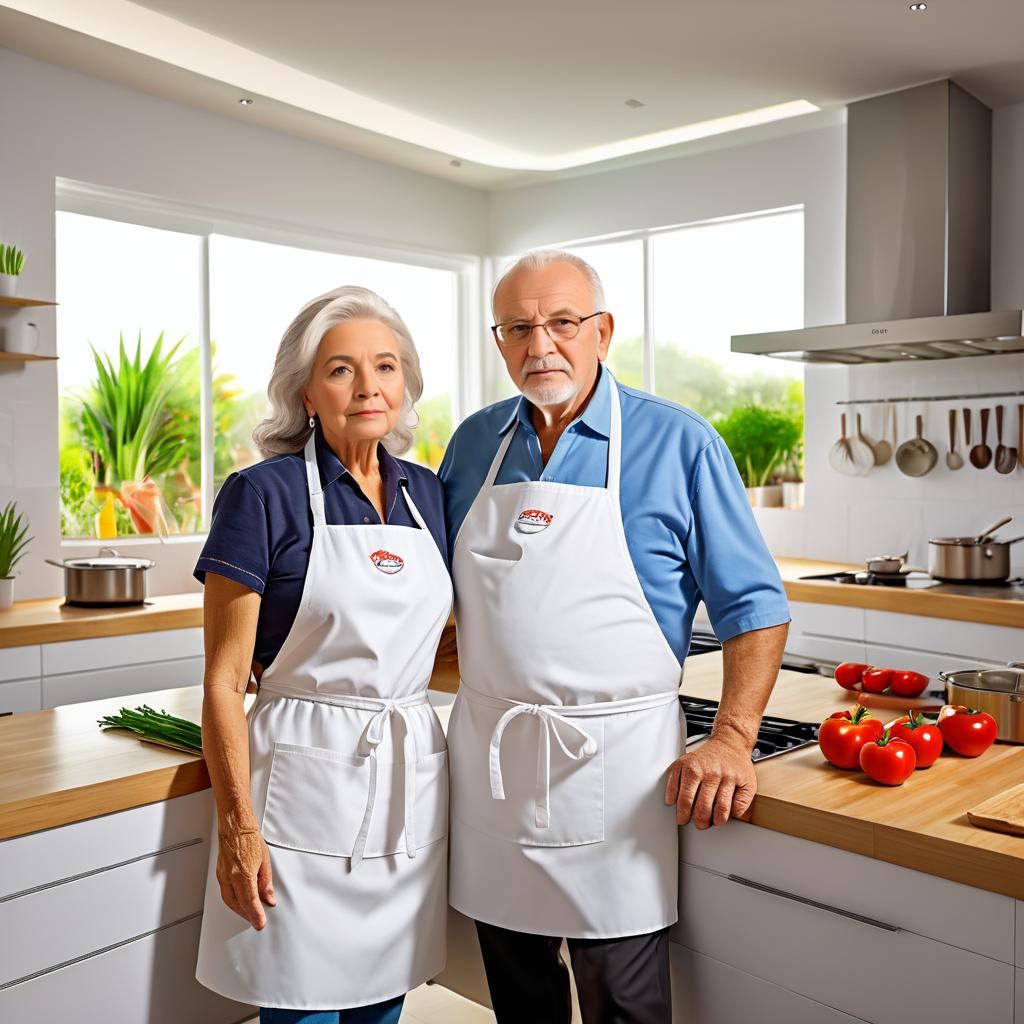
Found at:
[12, 259]
[761, 441]
[12, 547]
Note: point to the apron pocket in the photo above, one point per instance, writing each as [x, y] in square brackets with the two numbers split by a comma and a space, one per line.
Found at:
[316, 799]
[576, 812]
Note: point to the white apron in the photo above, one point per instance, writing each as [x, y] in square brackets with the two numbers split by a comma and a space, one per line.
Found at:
[349, 781]
[567, 716]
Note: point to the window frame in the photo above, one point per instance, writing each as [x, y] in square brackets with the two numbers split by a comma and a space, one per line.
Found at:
[172, 215]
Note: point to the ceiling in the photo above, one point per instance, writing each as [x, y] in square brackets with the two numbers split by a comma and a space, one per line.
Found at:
[516, 92]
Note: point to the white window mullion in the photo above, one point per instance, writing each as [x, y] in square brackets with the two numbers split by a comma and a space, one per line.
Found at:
[206, 433]
[648, 359]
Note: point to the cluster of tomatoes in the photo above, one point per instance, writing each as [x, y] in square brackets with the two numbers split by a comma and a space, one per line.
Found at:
[852, 675]
[890, 753]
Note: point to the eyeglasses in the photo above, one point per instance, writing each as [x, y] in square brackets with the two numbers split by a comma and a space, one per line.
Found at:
[559, 328]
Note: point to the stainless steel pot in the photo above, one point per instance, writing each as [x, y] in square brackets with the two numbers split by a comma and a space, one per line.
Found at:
[997, 691]
[107, 579]
[964, 559]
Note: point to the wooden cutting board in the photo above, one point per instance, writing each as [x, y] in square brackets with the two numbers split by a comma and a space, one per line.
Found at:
[1003, 812]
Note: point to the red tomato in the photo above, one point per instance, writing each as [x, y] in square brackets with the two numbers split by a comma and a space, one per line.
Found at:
[848, 674]
[875, 680]
[908, 684]
[922, 734]
[888, 760]
[966, 730]
[842, 734]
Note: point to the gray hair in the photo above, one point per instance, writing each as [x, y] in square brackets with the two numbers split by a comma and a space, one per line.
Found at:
[287, 428]
[540, 258]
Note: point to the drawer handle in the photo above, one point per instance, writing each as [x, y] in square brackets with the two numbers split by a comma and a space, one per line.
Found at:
[814, 903]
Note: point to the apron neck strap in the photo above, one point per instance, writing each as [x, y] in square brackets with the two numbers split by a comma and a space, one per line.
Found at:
[411, 505]
[614, 445]
[316, 493]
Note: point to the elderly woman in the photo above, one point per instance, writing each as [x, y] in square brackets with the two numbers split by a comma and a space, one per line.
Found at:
[325, 572]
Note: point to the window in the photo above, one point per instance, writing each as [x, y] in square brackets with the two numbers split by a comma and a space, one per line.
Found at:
[133, 458]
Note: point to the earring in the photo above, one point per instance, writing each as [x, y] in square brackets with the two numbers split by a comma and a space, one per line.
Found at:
[312, 422]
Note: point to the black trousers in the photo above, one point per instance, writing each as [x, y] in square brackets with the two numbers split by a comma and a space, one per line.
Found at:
[618, 981]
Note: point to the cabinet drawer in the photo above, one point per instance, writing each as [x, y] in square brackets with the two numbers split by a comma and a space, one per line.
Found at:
[946, 637]
[820, 954]
[706, 991]
[61, 854]
[150, 980]
[21, 695]
[828, 632]
[121, 682]
[48, 927]
[20, 662]
[134, 649]
[950, 912]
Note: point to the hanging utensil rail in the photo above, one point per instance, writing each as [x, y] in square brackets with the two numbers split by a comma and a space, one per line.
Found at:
[930, 398]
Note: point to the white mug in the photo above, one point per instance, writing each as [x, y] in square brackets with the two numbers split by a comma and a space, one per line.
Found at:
[21, 338]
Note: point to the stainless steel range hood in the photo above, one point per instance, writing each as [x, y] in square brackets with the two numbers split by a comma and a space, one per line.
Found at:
[918, 238]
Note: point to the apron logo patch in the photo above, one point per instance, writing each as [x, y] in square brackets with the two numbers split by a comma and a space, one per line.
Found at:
[387, 562]
[532, 520]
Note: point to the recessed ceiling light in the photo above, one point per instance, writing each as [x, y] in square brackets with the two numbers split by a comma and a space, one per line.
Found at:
[634, 103]
[919, 7]
[245, 101]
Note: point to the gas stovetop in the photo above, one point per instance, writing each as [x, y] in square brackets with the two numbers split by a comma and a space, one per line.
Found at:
[922, 581]
[776, 735]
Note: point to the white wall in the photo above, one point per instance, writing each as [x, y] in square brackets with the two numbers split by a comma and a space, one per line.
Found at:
[845, 519]
[59, 123]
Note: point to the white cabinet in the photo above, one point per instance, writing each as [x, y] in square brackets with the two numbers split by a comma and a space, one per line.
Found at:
[1020, 933]
[20, 669]
[99, 921]
[114, 666]
[836, 633]
[815, 920]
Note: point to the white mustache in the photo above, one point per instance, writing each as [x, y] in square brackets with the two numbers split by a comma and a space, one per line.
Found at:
[545, 363]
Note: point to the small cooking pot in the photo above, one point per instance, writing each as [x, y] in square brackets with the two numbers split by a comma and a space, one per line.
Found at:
[964, 559]
[997, 691]
[107, 579]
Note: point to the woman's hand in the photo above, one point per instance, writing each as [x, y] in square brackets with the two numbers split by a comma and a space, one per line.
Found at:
[243, 871]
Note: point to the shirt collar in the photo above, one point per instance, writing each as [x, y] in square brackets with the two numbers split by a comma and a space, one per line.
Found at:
[331, 467]
[596, 415]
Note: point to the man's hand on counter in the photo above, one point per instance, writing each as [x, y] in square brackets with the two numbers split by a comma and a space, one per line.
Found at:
[715, 782]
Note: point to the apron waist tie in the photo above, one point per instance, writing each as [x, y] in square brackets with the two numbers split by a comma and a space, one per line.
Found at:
[574, 741]
[369, 741]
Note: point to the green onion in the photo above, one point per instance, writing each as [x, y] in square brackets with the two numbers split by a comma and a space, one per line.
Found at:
[157, 727]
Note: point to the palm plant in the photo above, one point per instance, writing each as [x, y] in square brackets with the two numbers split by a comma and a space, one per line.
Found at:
[12, 539]
[124, 416]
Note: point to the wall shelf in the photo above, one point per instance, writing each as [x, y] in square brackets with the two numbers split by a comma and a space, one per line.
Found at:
[16, 302]
[24, 357]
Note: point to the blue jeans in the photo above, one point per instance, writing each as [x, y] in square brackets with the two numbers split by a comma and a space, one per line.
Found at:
[378, 1013]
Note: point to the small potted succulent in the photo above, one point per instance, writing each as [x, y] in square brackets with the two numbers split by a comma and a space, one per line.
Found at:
[12, 259]
[13, 543]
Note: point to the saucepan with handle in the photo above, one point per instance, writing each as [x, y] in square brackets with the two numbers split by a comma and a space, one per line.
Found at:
[980, 559]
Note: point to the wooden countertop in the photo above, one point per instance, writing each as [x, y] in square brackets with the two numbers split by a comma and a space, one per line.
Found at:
[57, 767]
[48, 620]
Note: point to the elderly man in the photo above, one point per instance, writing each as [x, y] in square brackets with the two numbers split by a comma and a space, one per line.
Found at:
[587, 520]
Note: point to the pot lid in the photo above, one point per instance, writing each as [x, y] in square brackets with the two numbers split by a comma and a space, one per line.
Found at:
[996, 680]
[108, 563]
[965, 542]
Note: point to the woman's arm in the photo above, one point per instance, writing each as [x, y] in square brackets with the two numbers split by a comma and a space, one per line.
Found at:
[230, 614]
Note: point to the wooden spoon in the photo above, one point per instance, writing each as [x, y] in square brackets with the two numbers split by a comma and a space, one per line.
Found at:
[953, 458]
[883, 450]
[1006, 457]
[981, 454]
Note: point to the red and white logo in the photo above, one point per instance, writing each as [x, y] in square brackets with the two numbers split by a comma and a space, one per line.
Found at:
[532, 520]
[387, 562]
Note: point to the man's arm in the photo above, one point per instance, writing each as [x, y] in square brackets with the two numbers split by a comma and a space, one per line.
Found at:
[717, 780]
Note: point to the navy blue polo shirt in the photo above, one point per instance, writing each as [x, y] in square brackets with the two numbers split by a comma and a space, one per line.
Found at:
[262, 528]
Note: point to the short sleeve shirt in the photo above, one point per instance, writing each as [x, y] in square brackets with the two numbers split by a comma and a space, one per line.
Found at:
[262, 527]
[689, 527]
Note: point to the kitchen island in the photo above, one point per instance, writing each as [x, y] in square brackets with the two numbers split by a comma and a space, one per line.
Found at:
[91, 816]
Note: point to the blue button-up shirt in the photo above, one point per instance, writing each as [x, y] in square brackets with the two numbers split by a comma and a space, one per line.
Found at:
[689, 527]
[262, 528]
